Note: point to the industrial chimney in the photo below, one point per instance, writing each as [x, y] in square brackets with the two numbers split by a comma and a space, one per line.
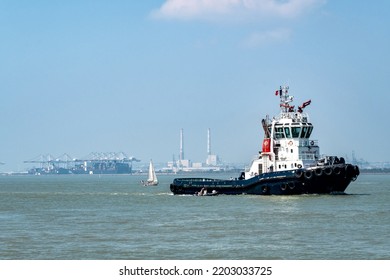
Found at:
[208, 142]
[181, 155]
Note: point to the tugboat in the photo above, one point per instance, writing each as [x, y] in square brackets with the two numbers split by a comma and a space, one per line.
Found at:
[289, 163]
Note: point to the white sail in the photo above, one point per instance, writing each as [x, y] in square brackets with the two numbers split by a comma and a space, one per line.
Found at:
[152, 178]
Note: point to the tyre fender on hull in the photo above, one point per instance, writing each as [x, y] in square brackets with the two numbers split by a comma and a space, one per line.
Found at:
[328, 171]
[318, 171]
[349, 170]
[298, 173]
[308, 174]
[357, 171]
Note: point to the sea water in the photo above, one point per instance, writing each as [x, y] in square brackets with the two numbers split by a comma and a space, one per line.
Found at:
[78, 217]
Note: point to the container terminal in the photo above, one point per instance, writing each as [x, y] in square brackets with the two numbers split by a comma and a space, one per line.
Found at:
[94, 163]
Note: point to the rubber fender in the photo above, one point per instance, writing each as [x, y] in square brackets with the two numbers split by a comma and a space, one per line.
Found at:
[298, 173]
[319, 171]
[308, 174]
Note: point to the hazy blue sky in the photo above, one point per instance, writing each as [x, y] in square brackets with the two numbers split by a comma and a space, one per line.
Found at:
[86, 76]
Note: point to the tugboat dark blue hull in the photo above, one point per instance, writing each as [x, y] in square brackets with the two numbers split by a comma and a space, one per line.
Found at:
[318, 180]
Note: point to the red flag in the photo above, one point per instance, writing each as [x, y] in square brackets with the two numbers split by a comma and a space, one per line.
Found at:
[277, 92]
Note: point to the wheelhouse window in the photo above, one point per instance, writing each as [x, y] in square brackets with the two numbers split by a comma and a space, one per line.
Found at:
[304, 130]
[279, 132]
[309, 130]
[287, 132]
[295, 131]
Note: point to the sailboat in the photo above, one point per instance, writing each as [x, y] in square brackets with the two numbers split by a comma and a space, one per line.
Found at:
[152, 178]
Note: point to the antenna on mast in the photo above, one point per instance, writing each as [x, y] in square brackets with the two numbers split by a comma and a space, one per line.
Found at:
[285, 99]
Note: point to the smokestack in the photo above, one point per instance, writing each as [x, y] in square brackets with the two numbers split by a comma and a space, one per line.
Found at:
[181, 156]
[208, 142]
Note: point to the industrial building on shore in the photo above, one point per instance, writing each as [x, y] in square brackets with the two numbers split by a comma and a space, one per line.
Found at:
[119, 163]
[212, 162]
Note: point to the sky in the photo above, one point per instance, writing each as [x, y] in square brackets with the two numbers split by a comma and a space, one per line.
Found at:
[125, 76]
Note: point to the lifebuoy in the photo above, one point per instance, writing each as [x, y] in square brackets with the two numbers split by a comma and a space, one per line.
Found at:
[299, 166]
[312, 142]
[308, 174]
[290, 143]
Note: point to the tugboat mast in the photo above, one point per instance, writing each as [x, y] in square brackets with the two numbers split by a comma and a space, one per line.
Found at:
[285, 99]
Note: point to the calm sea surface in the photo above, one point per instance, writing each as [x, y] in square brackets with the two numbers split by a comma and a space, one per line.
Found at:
[114, 217]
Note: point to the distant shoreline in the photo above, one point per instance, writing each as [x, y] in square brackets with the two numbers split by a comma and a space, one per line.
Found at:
[375, 171]
[372, 171]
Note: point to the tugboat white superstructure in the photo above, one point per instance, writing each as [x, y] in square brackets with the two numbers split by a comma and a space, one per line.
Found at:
[289, 163]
